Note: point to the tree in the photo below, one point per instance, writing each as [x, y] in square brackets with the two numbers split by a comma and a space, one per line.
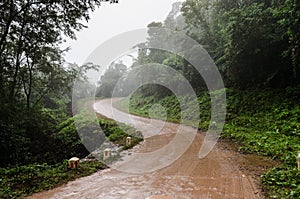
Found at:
[247, 39]
[287, 13]
[32, 75]
[110, 79]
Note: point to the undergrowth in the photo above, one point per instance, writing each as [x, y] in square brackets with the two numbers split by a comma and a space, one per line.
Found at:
[19, 181]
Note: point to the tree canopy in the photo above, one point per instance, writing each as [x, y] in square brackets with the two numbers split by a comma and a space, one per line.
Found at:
[35, 86]
[254, 43]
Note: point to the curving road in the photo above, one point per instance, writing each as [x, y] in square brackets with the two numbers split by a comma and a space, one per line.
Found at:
[216, 176]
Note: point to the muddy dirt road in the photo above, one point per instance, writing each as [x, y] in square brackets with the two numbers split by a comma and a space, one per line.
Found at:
[219, 175]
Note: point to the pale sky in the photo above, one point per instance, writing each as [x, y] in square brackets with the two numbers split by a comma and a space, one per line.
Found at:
[113, 19]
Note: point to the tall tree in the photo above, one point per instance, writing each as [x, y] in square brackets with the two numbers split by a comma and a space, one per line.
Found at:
[31, 68]
[246, 40]
[110, 79]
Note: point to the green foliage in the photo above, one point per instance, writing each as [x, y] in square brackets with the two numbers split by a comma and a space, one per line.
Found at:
[24, 180]
[109, 80]
[140, 105]
[35, 87]
[287, 14]
[252, 42]
[267, 123]
[283, 182]
[20, 181]
[71, 141]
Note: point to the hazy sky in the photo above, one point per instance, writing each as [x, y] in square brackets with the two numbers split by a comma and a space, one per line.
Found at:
[112, 19]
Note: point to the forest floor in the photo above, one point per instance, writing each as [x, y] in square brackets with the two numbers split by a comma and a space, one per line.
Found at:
[223, 173]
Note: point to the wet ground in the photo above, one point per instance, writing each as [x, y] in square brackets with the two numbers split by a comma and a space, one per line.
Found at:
[224, 173]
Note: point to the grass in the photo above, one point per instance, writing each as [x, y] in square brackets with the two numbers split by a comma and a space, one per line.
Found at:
[21, 181]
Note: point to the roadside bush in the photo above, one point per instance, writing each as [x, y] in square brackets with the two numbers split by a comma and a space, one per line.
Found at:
[19, 181]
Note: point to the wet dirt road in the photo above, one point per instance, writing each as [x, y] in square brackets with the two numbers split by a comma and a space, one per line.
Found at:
[219, 175]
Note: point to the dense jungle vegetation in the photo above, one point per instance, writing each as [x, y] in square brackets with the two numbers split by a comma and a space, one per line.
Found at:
[254, 44]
